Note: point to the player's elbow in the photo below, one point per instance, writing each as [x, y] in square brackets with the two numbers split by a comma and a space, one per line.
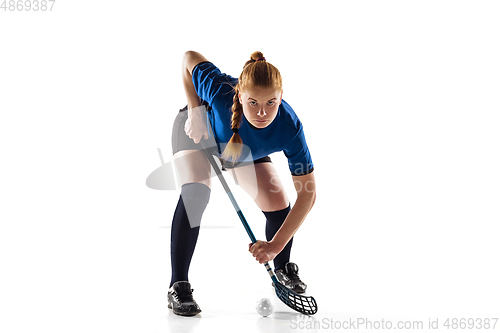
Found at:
[191, 59]
[307, 197]
[187, 56]
[312, 198]
[186, 59]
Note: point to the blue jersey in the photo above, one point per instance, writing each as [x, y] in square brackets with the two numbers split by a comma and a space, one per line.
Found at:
[285, 133]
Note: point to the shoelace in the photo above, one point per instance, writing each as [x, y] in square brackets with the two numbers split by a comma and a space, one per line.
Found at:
[185, 296]
[294, 278]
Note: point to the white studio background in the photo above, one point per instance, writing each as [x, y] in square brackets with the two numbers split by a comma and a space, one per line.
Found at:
[400, 105]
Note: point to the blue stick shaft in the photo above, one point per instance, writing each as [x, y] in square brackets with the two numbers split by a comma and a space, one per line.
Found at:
[230, 195]
[236, 207]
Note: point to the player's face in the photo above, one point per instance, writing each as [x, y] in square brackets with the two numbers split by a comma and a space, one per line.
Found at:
[260, 105]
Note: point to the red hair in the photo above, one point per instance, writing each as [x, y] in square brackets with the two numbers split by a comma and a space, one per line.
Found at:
[257, 72]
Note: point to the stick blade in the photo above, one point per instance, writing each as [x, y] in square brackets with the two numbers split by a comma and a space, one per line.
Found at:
[304, 304]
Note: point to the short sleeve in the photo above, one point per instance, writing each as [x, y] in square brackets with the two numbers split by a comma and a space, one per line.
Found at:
[299, 157]
[209, 81]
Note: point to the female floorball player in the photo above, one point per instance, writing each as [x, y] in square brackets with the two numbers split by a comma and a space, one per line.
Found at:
[244, 112]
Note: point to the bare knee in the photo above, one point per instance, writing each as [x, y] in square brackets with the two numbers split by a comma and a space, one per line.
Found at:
[271, 199]
[192, 167]
[277, 203]
[262, 182]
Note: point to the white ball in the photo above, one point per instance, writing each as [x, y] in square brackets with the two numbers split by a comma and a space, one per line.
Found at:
[264, 307]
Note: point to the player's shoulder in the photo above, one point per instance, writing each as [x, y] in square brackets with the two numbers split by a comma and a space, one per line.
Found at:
[203, 65]
[210, 67]
[288, 116]
[219, 84]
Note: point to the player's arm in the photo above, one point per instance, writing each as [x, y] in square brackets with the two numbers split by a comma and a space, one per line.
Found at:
[195, 126]
[306, 196]
[190, 60]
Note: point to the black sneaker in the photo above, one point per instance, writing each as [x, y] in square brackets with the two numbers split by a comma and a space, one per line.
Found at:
[289, 277]
[180, 299]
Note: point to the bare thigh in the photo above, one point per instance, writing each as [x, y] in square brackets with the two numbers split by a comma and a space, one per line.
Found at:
[262, 183]
[193, 167]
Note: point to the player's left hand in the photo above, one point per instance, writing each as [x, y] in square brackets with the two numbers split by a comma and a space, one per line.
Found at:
[263, 251]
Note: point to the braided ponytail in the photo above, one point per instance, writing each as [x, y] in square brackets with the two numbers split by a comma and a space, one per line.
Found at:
[256, 72]
[235, 145]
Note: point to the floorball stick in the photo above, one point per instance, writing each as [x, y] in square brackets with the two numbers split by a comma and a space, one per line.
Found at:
[304, 304]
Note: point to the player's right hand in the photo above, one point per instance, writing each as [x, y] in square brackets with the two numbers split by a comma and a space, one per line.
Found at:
[196, 127]
[263, 251]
